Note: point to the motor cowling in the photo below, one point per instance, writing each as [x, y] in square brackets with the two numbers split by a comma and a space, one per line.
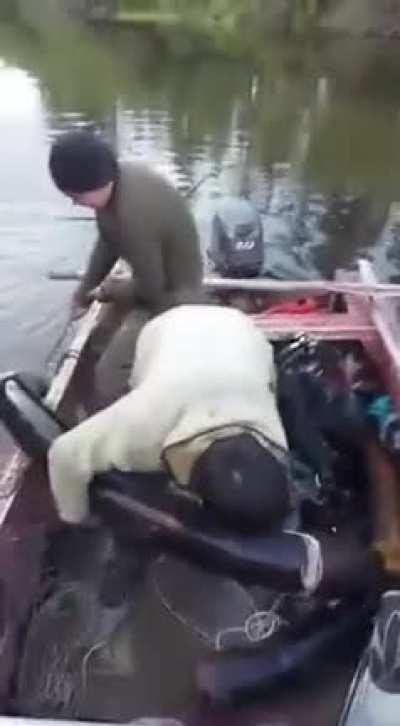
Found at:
[237, 241]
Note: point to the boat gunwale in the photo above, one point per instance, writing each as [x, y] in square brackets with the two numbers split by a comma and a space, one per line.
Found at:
[361, 306]
[18, 463]
[279, 325]
[366, 326]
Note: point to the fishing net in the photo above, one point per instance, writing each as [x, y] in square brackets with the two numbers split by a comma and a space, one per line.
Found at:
[70, 637]
[75, 646]
[217, 609]
[66, 632]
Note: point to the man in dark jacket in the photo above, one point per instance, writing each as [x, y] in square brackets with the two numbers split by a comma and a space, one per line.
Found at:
[142, 219]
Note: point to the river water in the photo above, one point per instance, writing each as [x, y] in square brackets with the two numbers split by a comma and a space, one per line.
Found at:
[308, 130]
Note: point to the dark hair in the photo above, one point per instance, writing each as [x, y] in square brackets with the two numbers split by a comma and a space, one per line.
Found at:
[245, 484]
[81, 161]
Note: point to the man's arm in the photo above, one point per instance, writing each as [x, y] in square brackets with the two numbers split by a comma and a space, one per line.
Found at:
[100, 264]
[149, 277]
[183, 263]
[168, 274]
[166, 258]
[114, 438]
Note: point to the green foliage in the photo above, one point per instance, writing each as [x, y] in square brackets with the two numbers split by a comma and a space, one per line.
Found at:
[211, 83]
[8, 10]
[78, 72]
[228, 16]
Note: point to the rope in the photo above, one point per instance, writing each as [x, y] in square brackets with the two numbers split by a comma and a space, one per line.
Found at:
[257, 627]
[59, 342]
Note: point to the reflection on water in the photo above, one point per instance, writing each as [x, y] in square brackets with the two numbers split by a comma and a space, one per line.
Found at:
[308, 130]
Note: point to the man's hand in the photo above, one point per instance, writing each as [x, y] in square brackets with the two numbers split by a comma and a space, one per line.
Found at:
[79, 305]
[115, 290]
[119, 291]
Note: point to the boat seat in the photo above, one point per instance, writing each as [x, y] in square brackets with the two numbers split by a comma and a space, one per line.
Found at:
[34, 427]
[23, 412]
[134, 507]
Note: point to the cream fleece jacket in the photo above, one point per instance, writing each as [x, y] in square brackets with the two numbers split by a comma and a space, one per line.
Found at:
[197, 368]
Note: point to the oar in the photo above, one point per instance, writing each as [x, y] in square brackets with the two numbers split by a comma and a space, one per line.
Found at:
[68, 275]
[264, 285]
[60, 340]
[261, 285]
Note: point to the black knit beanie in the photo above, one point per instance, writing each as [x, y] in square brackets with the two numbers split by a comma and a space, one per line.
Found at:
[246, 486]
[81, 161]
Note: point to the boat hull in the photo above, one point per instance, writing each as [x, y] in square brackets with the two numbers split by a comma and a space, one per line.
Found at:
[27, 515]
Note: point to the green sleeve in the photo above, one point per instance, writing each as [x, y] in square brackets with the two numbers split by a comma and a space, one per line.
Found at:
[182, 260]
[182, 256]
[100, 264]
[149, 277]
[167, 273]
[164, 247]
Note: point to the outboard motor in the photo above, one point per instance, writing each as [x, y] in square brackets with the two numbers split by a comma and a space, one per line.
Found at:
[374, 695]
[237, 244]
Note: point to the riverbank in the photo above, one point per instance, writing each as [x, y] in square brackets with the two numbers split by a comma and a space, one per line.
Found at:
[359, 18]
[204, 26]
[147, 19]
[365, 18]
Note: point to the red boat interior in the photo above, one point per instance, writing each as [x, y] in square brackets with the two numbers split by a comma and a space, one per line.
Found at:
[60, 646]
